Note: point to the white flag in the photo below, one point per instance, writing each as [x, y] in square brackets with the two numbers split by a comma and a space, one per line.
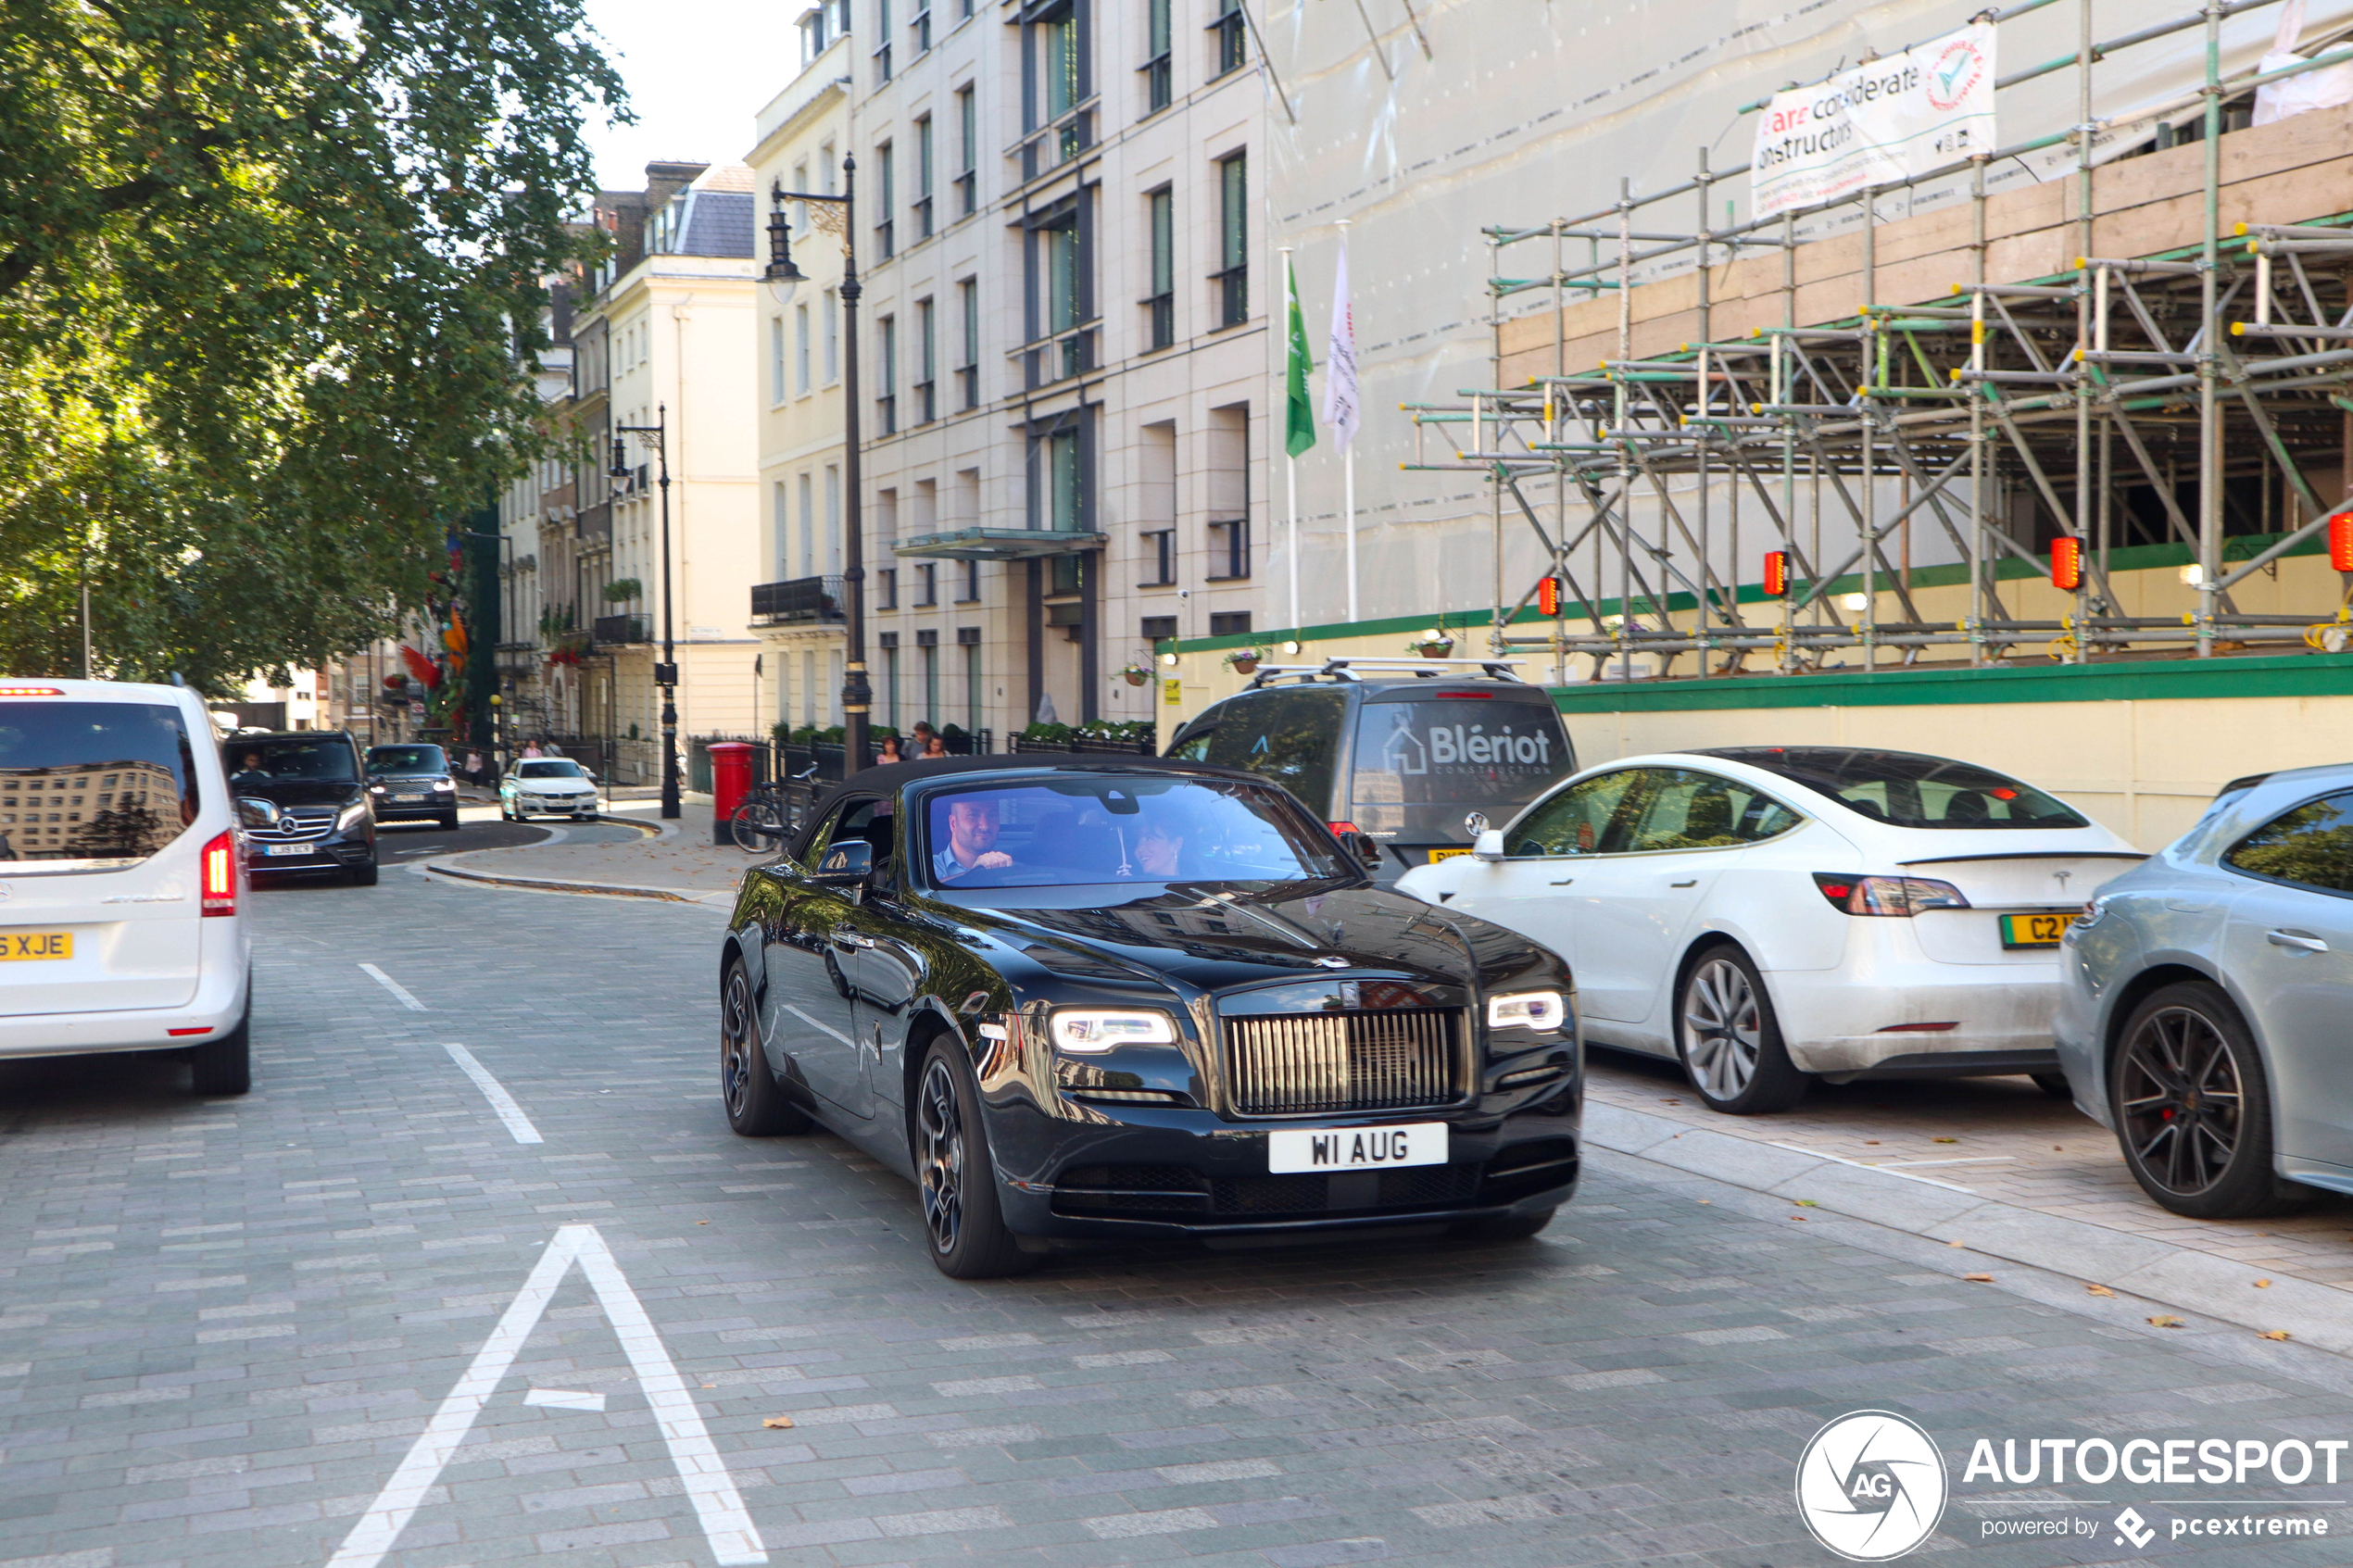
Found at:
[1339, 359]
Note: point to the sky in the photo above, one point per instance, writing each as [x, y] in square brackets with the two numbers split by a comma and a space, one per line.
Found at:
[699, 71]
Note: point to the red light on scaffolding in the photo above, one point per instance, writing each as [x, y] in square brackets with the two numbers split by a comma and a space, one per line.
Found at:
[1776, 574]
[2066, 563]
[1548, 596]
[2341, 542]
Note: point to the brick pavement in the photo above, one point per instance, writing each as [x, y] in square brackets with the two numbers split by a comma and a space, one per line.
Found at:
[681, 860]
[224, 1323]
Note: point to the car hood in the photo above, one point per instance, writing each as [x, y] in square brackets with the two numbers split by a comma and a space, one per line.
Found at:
[1214, 940]
[554, 786]
[302, 792]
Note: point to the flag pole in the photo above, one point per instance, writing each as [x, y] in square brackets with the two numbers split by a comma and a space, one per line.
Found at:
[1290, 460]
[1348, 433]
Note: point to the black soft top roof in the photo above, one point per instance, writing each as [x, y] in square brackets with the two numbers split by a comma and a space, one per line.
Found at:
[891, 777]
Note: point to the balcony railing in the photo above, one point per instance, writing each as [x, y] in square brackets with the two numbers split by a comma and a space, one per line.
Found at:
[801, 599]
[614, 631]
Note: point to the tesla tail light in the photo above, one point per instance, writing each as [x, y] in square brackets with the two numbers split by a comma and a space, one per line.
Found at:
[1903, 896]
[219, 863]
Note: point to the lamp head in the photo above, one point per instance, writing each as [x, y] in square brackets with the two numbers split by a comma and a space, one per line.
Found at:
[780, 263]
[620, 468]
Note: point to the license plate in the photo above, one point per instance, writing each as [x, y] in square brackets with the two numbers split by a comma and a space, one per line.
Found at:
[35, 944]
[407, 798]
[1438, 855]
[1356, 1149]
[2034, 931]
[285, 848]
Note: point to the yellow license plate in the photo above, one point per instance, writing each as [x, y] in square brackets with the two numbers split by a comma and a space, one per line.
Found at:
[2034, 931]
[1438, 855]
[16, 945]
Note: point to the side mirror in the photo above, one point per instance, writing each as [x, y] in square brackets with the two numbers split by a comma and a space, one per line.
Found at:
[256, 813]
[847, 865]
[1365, 847]
[1489, 846]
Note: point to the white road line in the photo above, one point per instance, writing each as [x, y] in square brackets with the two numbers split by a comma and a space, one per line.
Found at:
[826, 1027]
[562, 1399]
[396, 988]
[1903, 1175]
[495, 1092]
[719, 1507]
[1972, 1159]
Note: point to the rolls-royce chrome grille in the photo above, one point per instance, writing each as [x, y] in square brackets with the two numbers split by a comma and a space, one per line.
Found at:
[1373, 1061]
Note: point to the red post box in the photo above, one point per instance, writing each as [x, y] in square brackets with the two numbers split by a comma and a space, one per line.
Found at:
[730, 782]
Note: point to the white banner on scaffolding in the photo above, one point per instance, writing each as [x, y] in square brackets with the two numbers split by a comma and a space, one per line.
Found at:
[1891, 119]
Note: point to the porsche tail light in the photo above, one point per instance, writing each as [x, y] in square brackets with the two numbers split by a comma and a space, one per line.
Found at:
[219, 873]
[1900, 896]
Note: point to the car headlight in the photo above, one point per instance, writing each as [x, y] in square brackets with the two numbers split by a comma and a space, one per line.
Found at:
[351, 816]
[1528, 1009]
[375, 789]
[1087, 1030]
[444, 783]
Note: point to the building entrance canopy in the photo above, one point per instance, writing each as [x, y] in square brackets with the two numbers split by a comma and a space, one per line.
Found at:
[1000, 544]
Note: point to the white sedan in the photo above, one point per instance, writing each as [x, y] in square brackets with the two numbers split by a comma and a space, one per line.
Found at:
[1768, 914]
[547, 787]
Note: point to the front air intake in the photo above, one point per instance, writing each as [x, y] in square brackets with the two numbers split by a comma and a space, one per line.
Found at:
[1391, 1059]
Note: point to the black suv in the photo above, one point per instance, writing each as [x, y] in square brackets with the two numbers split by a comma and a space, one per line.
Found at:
[1402, 749]
[309, 809]
[412, 783]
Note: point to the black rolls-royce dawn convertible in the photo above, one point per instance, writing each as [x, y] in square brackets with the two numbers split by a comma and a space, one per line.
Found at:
[1079, 998]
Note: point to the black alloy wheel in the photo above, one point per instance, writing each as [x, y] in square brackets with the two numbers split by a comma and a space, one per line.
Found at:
[955, 1175]
[2193, 1107]
[756, 1104]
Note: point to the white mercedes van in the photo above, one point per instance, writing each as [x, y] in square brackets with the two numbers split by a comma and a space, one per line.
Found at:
[122, 880]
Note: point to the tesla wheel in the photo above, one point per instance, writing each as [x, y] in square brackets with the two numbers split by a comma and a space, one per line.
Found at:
[957, 1178]
[2193, 1107]
[225, 1066]
[1729, 1040]
[756, 1104]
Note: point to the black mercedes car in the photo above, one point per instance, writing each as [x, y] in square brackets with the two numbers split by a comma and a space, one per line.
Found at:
[303, 797]
[1079, 998]
[410, 783]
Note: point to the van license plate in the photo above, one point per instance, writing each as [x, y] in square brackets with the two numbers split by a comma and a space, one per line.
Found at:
[285, 848]
[1438, 855]
[35, 944]
[1356, 1149]
[2034, 931]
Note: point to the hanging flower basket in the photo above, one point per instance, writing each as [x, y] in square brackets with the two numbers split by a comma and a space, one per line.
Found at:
[1245, 660]
[1135, 675]
[1440, 648]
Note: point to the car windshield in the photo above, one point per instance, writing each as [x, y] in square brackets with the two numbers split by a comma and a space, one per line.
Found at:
[1908, 790]
[327, 759]
[559, 769]
[406, 760]
[1078, 830]
[109, 783]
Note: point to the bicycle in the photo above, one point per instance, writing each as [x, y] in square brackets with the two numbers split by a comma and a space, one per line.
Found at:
[773, 812]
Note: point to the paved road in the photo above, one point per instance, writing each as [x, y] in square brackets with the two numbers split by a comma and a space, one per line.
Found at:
[268, 1330]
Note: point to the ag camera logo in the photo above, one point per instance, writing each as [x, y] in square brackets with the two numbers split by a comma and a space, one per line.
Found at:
[1872, 1486]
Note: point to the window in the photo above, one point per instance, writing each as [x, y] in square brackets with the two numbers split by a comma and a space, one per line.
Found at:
[1431, 752]
[1233, 241]
[968, 372]
[800, 349]
[969, 593]
[886, 229]
[886, 588]
[1229, 551]
[1160, 306]
[891, 675]
[808, 529]
[776, 358]
[967, 151]
[926, 359]
[831, 309]
[887, 373]
[833, 524]
[1155, 68]
[1596, 816]
[1909, 790]
[1289, 734]
[1058, 482]
[1228, 26]
[1061, 293]
[1159, 559]
[882, 42]
[923, 173]
[920, 24]
[1058, 86]
[781, 513]
[1230, 623]
[926, 587]
[968, 639]
[927, 658]
[2312, 846]
[1158, 629]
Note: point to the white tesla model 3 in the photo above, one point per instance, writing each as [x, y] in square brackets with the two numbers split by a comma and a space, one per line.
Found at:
[1771, 914]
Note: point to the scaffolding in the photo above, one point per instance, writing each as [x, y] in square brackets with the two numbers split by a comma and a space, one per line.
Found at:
[2038, 422]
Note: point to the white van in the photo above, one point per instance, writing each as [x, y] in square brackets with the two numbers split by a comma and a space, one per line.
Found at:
[122, 880]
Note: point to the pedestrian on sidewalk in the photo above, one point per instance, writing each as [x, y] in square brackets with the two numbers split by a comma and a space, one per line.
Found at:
[933, 747]
[531, 749]
[889, 751]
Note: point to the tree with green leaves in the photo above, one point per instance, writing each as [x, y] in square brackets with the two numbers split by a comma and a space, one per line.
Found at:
[266, 267]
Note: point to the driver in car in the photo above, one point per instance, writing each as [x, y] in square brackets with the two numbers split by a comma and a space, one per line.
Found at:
[971, 841]
[251, 771]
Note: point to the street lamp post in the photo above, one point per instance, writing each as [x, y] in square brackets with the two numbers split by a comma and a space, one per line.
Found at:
[837, 216]
[666, 672]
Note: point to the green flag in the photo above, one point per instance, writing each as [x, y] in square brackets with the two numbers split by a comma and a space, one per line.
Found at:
[1299, 414]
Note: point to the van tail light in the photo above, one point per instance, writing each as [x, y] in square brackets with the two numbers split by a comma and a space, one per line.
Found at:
[1900, 896]
[221, 874]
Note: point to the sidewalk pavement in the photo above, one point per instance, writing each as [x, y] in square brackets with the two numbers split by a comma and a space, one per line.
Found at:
[630, 852]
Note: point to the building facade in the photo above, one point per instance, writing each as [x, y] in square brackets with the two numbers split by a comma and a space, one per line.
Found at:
[1063, 347]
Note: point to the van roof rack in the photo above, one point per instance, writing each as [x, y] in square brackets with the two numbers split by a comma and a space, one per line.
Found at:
[1358, 669]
